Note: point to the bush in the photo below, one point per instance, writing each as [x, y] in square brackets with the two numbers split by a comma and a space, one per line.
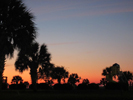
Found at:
[43, 86]
[63, 86]
[93, 86]
[67, 86]
[58, 86]
[82, 87]
[4, 86]
[116, 86]
[31, 86]
[21, 86]
[17, 86]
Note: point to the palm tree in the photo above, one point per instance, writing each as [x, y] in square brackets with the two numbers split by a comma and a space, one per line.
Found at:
[17, 79]
[34, 58]
[17, 29]
[125, 76]
[59, 73]
[74, 78]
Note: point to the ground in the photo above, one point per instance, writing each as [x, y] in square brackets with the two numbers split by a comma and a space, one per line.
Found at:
[66, 95]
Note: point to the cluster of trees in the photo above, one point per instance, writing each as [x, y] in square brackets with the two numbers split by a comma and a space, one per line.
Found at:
[124, 78]
[17, 83]
[18, 32]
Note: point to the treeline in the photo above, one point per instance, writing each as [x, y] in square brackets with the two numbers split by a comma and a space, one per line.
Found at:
[17, 83]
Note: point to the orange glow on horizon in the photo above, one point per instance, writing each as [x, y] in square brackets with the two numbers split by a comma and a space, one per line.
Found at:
[26, 76]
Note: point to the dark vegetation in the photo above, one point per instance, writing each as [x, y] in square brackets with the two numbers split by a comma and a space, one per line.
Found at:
[18, 32]
[66, 95]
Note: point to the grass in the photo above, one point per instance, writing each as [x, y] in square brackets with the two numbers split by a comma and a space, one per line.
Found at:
[65, 95]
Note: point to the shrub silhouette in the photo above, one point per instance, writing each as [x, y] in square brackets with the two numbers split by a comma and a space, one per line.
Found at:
[82, 87]
[116, 86]
[65, 86]
[93, 86]
[17, 86]
[57, 86]
[43, 86]
[26, 83]
[21, 86]
[4, 86]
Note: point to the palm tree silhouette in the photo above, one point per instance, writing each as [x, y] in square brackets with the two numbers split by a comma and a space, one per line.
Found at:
[17, 29]
[125, 76]
[34, 58]
[73, 78]
[59, 73]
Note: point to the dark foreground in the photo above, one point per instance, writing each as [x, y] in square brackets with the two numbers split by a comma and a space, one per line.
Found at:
[66, 95]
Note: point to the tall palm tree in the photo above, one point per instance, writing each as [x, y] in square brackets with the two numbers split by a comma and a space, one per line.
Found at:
[17, 29]
[34, 58]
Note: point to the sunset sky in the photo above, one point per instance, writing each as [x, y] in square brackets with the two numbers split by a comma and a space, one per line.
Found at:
[84, 36]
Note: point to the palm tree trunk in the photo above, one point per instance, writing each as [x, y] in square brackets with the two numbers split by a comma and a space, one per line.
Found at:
[59, 80]
[2, 64]
[33, 73]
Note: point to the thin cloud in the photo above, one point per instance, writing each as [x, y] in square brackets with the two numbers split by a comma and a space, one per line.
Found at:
[57, 9]
[63, 43]
[88, 13]
[52, 7]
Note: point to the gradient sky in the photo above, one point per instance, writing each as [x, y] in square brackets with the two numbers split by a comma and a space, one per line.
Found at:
[84, 36]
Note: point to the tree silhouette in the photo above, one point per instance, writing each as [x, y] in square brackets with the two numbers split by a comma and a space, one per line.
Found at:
[85, 81]
[125, 76]
[45, 72]
[74, 78]
[16, 80]
[49, 82]
[111, 72]
[59, 73]
[17, 29]
[106, 71]
[103, 81]
[26, 83]
[114, 71]
[34, 58]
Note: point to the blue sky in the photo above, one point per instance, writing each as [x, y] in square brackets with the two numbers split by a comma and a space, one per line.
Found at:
[85, 36]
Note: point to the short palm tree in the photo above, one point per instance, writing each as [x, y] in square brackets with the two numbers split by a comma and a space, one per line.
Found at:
[125, 76]
[17, 29]
[34, 58]
[59, 73]
[73, 78]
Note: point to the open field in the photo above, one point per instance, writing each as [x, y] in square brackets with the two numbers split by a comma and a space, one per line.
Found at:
[66, 95]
